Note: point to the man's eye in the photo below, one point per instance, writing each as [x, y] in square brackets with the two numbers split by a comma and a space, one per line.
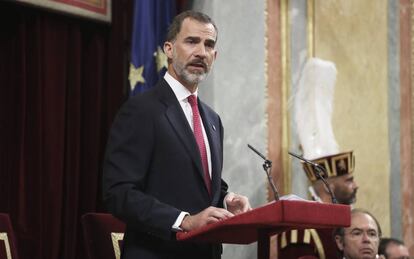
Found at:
[372, 234]
[356, 233]
[210, 46]
[190, 40]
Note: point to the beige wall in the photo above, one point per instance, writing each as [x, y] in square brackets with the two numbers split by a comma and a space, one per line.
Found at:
[353, 34]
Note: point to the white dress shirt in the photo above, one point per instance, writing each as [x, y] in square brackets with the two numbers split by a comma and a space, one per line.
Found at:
[182, 93]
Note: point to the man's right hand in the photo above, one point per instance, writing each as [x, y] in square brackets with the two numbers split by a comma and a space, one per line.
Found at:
[205, 217]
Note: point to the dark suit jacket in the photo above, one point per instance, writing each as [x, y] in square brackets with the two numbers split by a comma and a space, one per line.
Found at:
[153, 171]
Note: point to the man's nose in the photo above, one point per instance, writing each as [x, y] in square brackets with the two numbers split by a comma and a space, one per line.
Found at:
[200, 51]
[365, 237]
[355, 185]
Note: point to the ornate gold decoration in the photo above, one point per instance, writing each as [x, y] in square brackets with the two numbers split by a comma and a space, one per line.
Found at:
[135, 75]
[116, 237]
[344, 161]
[335, 165]
[294, 236]
[3, 236]
[283, 241]
[341, 164]
[160, 59]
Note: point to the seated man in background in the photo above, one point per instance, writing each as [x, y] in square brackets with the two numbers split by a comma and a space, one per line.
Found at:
[361, 239]
[392, 248]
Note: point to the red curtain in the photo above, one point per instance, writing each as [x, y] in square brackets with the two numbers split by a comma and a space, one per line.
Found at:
[62, 78]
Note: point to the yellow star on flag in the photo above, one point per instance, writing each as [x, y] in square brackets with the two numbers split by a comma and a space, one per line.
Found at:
[135, 75]
[160, 59]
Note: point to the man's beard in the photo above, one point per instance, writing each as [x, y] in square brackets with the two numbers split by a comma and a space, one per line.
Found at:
[347, 200]
[186, 75]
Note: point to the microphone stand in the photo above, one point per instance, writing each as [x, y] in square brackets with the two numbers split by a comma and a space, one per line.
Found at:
[318, 172]
[267, 166]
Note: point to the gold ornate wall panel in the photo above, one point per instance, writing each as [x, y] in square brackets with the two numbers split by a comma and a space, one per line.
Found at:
[285, 55]
[353, 34]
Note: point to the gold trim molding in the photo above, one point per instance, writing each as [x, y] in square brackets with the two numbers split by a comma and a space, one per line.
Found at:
[285, 55]
[3, 237]
[310, 13]
[116, 237]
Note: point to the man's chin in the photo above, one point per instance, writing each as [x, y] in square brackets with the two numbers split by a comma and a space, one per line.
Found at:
[347, 201]
[194, 78]
[353, 200]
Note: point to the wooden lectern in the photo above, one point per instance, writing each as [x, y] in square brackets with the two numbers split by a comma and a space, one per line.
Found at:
[276, 217]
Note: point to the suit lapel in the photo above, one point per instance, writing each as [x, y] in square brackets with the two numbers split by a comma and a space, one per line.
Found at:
[179, 123]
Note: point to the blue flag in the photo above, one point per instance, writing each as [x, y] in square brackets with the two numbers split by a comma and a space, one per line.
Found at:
[148, 61]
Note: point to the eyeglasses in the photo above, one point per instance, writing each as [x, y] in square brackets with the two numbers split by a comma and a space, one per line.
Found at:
[358, 233]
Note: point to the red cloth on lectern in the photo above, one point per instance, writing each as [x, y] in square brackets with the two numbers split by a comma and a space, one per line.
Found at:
[274, 217]
[307, 243]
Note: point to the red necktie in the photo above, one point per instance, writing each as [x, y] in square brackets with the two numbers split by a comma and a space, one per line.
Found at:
[198, 134]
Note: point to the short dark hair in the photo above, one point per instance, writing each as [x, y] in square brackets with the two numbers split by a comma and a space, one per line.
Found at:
[382, 249]
[176, 23]
[341, 231]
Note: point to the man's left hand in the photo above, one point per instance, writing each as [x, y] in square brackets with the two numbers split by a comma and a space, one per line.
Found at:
[236, 203]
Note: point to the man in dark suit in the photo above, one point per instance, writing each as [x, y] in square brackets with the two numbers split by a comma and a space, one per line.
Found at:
[164, 157]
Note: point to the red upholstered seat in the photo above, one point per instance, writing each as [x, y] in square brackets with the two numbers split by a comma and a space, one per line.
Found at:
[8, 249]
[103, 235]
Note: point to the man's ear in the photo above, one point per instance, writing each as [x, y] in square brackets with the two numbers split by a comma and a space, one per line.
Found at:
[168, 49]
[339, 243]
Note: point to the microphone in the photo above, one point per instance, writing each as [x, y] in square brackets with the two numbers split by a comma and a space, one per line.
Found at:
[267, 166]
[306, 160]
[318, 171]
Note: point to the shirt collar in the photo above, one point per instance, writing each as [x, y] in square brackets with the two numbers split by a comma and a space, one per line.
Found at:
[179, 90]
[314, 195]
